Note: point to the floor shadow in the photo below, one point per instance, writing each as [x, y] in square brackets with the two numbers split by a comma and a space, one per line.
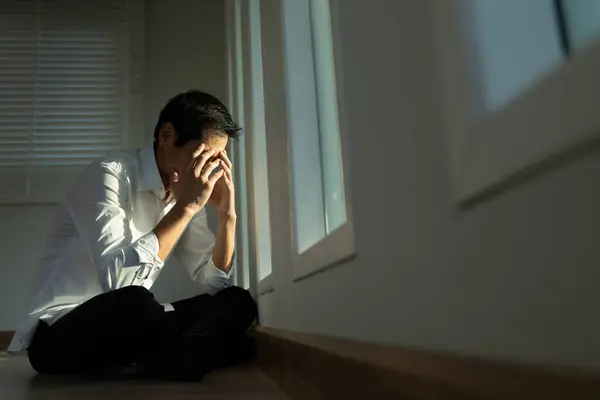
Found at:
[123, 375]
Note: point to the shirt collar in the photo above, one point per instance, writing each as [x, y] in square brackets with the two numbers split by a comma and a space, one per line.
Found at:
[149, 175]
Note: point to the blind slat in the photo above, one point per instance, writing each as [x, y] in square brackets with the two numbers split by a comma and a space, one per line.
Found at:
[64, 67]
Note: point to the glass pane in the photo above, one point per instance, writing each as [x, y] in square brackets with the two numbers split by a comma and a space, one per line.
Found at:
[329, 131]
[259, 140]
[582, 18]
[303, 126]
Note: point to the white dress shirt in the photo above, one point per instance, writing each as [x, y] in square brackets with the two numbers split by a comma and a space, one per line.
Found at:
[102, 239]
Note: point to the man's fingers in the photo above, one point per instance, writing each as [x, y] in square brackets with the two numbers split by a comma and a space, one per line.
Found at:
[201, 161]
[226, 167]
[208, 170]
[195, 155]
[215, 177]
[226, 159]
[198, 150]
[228, 174]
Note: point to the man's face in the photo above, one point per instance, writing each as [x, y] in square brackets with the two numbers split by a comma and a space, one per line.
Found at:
[179, 158]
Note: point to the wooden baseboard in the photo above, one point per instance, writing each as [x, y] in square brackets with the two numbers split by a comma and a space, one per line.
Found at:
[310, 366]
[5, 338]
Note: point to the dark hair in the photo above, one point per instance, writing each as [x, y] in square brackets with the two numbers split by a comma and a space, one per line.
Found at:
[192, 113]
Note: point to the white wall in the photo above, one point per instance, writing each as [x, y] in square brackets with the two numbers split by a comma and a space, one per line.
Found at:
[185, 48]
[22, 232]
[513, 278]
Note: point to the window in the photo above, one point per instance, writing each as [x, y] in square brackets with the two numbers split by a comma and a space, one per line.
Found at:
[512, 56]
[257, 150]
[236, 100]
[540, 36]
[247, 104]
[580, 23]
[318, 192]
[67, 72]
[289, 168]
[231, 103]
[519, 87]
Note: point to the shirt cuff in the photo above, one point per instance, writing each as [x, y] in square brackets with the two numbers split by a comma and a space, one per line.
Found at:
[146, 248]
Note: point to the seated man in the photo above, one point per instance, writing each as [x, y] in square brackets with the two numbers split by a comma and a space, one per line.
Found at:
[91, 308]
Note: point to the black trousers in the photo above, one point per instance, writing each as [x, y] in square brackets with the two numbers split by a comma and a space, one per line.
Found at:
[128, 326]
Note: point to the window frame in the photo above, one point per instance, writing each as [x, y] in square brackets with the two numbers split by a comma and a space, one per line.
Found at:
[235, 100]
[287, 265]
[547, 123]
[338, 245]
[230, 97]
[255, 132]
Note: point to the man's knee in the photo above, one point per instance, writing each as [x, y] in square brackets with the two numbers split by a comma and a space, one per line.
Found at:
[240, 300]
[136, 298]
[236, 294]
[133, 293]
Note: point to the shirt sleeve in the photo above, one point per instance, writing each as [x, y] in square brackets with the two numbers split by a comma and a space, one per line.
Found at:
[194, 253]
[100, 207]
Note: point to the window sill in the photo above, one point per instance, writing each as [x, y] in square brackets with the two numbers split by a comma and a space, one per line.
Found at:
[334, 249]
[266, 285]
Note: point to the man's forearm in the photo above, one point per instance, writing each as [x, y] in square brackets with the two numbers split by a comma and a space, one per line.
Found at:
[170, 228]
[224, 245]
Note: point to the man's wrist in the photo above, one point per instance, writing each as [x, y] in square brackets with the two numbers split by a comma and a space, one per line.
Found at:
[227, 217]
[185, 210]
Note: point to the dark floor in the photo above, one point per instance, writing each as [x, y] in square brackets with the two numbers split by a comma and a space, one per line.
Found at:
[18, 382]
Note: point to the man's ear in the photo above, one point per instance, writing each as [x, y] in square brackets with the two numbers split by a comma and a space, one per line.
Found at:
[167, 135]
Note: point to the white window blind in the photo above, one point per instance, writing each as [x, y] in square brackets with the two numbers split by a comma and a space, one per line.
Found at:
[67, 70]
